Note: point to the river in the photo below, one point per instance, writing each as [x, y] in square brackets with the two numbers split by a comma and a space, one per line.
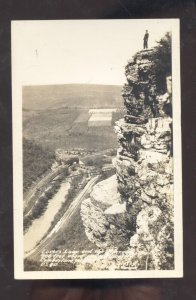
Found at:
[40, 226]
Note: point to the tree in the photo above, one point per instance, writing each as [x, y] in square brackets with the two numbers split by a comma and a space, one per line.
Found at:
[36, 161]
[162, 61]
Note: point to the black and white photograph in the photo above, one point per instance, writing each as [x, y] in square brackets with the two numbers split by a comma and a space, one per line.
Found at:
[97, 149]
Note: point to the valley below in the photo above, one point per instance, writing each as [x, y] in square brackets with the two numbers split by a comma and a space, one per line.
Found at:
[64, 157]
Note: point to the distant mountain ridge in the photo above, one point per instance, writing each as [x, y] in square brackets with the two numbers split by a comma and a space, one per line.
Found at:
[72, 95]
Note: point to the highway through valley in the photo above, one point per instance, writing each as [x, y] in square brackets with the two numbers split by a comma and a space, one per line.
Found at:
[35, 253]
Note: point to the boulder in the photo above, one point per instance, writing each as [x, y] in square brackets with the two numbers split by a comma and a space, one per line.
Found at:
[105, 218]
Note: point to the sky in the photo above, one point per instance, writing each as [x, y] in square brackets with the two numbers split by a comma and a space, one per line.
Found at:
[79, 51]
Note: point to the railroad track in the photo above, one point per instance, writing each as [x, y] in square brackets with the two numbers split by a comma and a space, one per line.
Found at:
[35, 253]
[40, 184]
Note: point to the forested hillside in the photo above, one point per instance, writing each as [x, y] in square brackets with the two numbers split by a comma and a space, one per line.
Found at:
[36, 161]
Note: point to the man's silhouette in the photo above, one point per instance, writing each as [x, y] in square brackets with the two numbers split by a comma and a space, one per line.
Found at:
[146, 40]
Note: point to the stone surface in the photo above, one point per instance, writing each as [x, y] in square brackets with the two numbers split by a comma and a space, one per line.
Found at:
[106, 221]
[106, 192]
[144, 162]
[137, 204]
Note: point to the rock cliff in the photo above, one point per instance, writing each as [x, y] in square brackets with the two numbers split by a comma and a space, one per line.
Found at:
[137, 208]
[106, 221]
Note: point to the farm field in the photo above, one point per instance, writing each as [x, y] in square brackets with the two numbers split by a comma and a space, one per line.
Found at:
[66, 128]
[57, 117]
[53, 119]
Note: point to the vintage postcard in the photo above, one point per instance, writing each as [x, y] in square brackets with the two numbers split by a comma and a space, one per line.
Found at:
[97, 149]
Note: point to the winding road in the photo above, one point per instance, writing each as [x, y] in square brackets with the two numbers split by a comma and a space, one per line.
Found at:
[34, 254]
[28, 203]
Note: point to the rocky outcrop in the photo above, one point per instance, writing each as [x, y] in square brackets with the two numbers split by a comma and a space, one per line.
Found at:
[106, 221]
[63, 158]
[144, 172]
[144, 163]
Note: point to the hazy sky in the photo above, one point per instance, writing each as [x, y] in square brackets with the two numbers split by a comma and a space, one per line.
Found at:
[82, 51]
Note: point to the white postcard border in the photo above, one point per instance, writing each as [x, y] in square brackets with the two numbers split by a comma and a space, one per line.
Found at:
[18, 176]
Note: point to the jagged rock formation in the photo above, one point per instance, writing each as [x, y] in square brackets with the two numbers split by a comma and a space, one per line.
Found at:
[144, 170]
[144, 160]
[105, 218]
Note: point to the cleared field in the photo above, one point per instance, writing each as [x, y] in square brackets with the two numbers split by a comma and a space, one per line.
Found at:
[50, 128]
[100, 119]
[67, 128]
[56, 116]
[79, 128]
[83, 117]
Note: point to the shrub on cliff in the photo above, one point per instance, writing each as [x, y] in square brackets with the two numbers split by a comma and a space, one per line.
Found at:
[162, 61]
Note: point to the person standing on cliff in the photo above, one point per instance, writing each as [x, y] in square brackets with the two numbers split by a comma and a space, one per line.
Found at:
[146, 36]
